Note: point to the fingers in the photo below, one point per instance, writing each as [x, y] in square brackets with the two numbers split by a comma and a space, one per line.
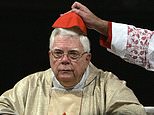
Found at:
[65, 13]
[80, 9]
[79, 6]
[76, 5]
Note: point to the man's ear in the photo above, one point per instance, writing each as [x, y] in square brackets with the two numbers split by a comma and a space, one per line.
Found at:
[49, 52]
[88, 58]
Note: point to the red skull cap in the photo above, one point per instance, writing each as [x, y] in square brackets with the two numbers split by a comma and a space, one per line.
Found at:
[69, 20]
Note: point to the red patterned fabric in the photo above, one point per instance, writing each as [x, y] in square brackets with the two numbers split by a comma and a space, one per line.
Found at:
[134, 45]
[137, 46]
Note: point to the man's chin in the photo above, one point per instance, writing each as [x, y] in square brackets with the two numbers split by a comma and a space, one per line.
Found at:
[66, 78]
[65, 75]
[67, 82]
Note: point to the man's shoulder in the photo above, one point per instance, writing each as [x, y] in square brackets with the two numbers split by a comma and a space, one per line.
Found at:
[39, 76]
[30, 85]
[36, 79]
[103, 74]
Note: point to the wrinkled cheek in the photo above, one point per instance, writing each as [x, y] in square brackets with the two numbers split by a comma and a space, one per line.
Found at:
[53, 63]
[55, 71]
[54, 66]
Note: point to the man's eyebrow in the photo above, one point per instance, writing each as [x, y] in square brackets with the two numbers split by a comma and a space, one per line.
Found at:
[56, 48]
[74, 49]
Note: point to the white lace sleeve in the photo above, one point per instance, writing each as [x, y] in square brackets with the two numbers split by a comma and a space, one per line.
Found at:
[134, 45]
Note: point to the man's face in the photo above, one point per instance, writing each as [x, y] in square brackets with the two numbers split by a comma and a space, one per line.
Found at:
[70, 67]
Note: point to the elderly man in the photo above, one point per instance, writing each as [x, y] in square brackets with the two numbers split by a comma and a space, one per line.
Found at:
[73, 85]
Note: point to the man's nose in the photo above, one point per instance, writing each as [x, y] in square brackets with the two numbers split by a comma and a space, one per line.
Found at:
[65, 59]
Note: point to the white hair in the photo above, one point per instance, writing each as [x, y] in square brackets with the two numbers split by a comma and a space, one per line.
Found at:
[70, 32]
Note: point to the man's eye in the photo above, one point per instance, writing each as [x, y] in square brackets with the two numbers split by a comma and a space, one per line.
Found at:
[58, 52]
[74, 54]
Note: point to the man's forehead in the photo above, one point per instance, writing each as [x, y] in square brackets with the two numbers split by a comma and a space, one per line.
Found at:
[68, 43]
[67, 39]
[71, 49]
[67, 36]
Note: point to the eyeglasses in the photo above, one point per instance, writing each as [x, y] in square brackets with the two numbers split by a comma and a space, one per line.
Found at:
[73, 55]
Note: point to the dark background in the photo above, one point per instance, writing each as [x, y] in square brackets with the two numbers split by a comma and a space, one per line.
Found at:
[25, 27]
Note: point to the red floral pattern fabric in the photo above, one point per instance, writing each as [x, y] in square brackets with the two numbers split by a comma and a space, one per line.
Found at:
[137, 46]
